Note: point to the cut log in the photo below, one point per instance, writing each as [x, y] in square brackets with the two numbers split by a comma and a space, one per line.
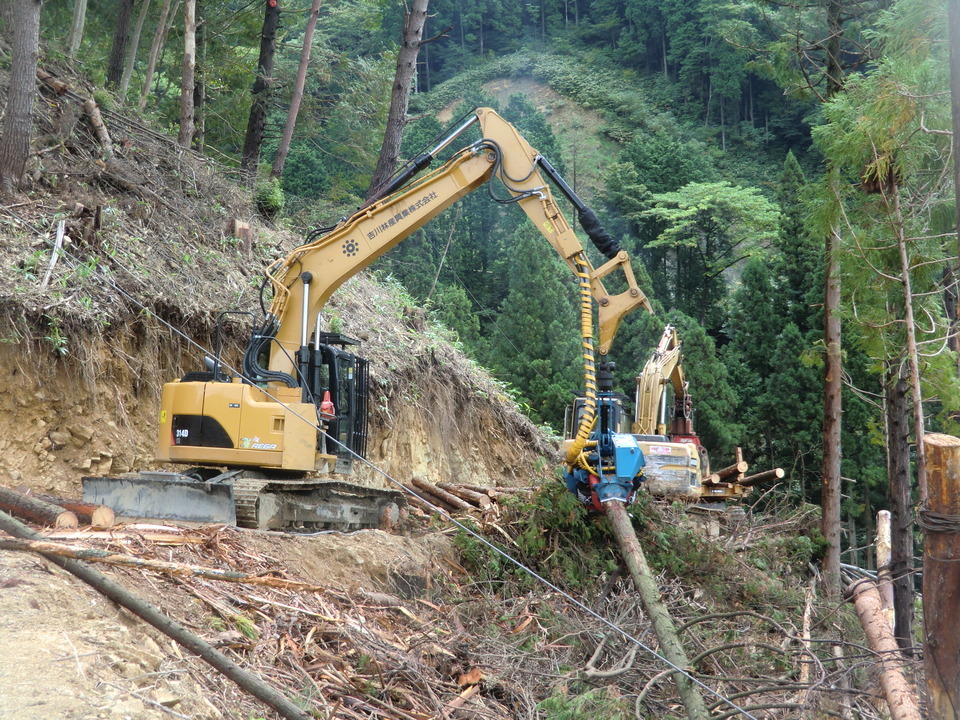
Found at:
[738, 468]
[92, 110]
[426, 501]
[762, 477]
[87, 513]
[58, 86]
[900, 695]
[36, 511]
[448, 498]
[480, 499]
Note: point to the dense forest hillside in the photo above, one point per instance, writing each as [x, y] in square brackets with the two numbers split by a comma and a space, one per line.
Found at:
[782, 176]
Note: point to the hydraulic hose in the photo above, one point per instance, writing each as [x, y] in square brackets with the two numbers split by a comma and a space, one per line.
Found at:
[575, 455]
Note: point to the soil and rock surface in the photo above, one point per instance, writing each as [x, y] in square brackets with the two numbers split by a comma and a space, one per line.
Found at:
[420, 622]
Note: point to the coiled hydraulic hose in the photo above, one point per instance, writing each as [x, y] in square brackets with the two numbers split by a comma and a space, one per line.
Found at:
[575, 454]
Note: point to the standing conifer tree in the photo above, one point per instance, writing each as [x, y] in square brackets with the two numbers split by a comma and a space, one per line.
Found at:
[262, 89]
[24, 18]
[534, 344]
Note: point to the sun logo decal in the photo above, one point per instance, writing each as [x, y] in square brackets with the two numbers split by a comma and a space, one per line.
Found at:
[350, 248]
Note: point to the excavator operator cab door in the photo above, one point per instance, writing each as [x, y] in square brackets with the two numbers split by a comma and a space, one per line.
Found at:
[340, 391]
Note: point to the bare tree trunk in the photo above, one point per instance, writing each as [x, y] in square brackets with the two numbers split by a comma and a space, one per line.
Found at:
[832, 384]
[189, 65]
[830, 475]
[200, 81]
[913, 357]
[262, 87]
[284, 148]
[158, 39]
[134, 46]
[121, 38]
[76, 28]
[901, 504]
[416, 17]
[18, 116]
[941, 578]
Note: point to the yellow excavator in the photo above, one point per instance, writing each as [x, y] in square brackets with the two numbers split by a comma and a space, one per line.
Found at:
[262, 443]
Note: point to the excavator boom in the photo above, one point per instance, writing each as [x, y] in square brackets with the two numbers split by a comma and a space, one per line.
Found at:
[298, 407]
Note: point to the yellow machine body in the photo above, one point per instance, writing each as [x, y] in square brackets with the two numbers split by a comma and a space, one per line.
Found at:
[239, 425]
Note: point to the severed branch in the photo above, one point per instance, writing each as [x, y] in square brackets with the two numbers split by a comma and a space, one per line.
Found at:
[144, 610]
[45, 547]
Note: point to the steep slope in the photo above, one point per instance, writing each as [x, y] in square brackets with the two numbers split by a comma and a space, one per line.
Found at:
[148, 265]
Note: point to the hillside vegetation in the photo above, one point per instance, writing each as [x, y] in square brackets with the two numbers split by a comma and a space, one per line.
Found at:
[739, 176]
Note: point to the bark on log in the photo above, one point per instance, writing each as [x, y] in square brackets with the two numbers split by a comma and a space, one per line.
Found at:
[58, 86]
[761, 477]
[941, 576]
[100, 130]
[29, 508]
[466, 494]
[649, 593]
[901, 697]
[87, 513]
[738, 468]
[46, 547]
[448, 498]
[426, 501]
[164, 624]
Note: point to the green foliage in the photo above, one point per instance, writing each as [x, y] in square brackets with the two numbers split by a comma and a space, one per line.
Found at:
[602, 702]
[555, 536]
[269, 197]
[55, 337]
[710, 227]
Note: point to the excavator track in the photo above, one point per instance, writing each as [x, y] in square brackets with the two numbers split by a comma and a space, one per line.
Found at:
[249, 500]
[312, 505]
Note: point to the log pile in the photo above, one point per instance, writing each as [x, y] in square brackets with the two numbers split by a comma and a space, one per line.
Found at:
[62, 513]
[732, 482]
[454, 498]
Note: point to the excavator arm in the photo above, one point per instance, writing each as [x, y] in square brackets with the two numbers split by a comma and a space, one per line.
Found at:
[296, 378]
[309, 275]
[662, 369]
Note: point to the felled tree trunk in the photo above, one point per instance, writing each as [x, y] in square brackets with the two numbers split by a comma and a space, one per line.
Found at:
[34, 510]
[650, 598]
[900, 695]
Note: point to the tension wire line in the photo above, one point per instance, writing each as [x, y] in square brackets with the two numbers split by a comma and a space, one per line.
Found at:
[440, 511]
